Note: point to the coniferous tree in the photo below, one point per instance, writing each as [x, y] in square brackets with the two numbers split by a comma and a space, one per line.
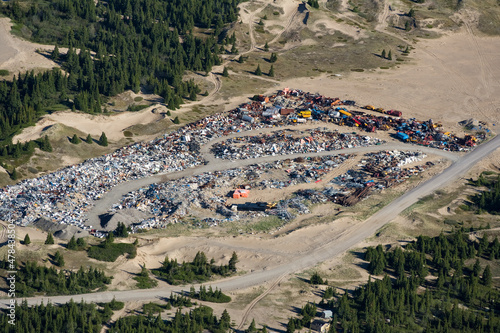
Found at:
[389, 55]
[176, 120]
[80, 243]
[50, 239]
[27, 240]
[103, 140]
[252, 327]
[225, 72]
[72, 244]
[58, 259]
[233, 261]
[271, 71]
[75, 139]
[383, 54]
[234, 50]
[258, 71]
[487, 276]
[121, 230]
[55, 53]
[14, 175]
[46, 146]
[89, 139]
[273, 57]
[266, 47]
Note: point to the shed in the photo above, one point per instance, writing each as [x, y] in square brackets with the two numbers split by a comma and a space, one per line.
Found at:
[326, 314]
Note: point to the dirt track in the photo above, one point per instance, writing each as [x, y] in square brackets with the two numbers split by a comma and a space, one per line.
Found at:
[316, 254]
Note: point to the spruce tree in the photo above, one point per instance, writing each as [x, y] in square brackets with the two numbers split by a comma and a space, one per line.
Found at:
[266, 47]
[80, 243]
[72, 244]
[271, 71]
[251, 328]
[487, 276]
[241, 59]
[89, 139]
[383, 54]
[234, 50]
[225, 72]
[258, 71]
[176, 120]
[103, 140]
[75, 139]
[59, 259]
[55, 53]
[233, 261]
[27, 240]
[273, 57]
[192, 95]
[14, 175]
[50, 239]
[389, 55]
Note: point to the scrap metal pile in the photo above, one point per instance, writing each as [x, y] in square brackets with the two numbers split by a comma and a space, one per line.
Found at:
[173, 201]
[67, 194]
[285, 142]
[292, 106]
[380, 170]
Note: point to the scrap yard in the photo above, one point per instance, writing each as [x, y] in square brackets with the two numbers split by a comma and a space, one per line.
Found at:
[315, 129]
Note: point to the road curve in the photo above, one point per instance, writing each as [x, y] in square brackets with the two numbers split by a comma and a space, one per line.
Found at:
[322, 252]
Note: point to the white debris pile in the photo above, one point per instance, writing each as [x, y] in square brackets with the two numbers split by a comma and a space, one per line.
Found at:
[285, 143]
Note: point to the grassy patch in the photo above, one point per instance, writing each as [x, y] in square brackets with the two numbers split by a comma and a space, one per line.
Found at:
[4, 72]
[267, 224]
[135, 108]
[111, 251]
[128, 134]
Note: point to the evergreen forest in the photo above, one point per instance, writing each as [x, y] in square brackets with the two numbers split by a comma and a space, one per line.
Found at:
[439, 284]
[111, 46]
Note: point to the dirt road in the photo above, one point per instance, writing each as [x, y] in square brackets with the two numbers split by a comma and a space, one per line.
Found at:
[321, 252]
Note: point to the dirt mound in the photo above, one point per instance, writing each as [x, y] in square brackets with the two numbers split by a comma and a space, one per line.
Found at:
[129, 216]
[61, 231]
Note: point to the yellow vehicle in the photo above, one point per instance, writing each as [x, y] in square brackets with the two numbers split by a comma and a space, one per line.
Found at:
[381, 110]
[345, 113]
[369, 107]
[271, 205]
[305, 114]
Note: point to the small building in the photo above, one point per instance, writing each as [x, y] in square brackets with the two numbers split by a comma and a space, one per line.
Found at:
[320, 326]
[327, 314]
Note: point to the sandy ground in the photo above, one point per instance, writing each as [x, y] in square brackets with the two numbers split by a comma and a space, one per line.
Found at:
[19, 55]
[451, 79]
[113, 125]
